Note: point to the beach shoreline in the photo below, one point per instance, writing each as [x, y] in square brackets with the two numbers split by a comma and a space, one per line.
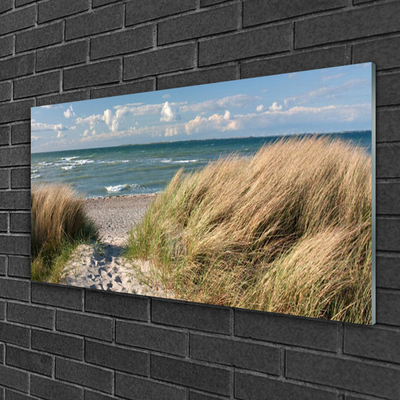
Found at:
[114, 216]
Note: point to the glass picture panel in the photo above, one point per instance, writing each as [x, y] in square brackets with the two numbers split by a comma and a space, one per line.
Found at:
[255, 193]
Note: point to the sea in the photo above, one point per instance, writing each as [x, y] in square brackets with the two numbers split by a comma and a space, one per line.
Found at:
[147, 168]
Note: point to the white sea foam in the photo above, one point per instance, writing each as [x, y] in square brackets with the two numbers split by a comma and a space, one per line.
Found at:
[117, 188]
[45, 164]
[68, 159]
[34, 176]
[120, 188]
[68, 167]
[184, 161]
[81, 162]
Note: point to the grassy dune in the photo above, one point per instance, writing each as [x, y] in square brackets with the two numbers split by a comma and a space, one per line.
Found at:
[59, 224]
[288, 230]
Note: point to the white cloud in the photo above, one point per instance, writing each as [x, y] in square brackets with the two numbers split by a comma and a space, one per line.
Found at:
[168, 114]
[86, 133]
[69, 112]
[166, 96]
[275, 107]
[216, 122]
[40, 126]
[60, 135]
[72, 128]
[171, 131]
[35, 138]
[260, 108]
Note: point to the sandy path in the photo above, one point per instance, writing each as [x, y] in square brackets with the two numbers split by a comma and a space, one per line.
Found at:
[100, 265]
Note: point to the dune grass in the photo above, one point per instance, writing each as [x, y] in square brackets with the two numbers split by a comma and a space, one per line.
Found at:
[59, 224]
[287, 230]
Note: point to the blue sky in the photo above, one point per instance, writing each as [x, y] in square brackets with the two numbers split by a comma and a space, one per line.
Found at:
[319, 101]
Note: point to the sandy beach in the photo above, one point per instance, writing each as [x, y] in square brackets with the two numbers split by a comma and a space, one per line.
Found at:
[101, 265]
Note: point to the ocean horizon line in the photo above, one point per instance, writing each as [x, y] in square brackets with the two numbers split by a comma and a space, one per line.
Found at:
[362, 131]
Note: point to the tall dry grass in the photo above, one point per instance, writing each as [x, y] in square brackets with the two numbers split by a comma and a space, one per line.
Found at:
[287, 230]
[59, 222]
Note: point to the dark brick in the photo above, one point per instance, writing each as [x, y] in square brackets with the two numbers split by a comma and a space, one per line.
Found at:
[51, 389]
[3, 265]
[274, 39]
[2, 346]
[193, 316]
[146, 10]
[122, 42]
[10, 333]
[6, 46]
[199, 77]
[54, 9]
[39, 37]
[4, 141]
[16, 66]
[21, 178]
[199, 24]
[117, 305]
[2, 310]
[21, 133]
[315, 334]
[198, 376]
[37, 85]
[57, 295]
[387, 272]
[62, 56]
[85, 375]
[89, 395]
[85, 325]
[56, 343]
[361, 2]
[12, 288]
[134, 388]
[19, 266]
[19, 3]
[4, 178]
[205, 3]
[29, 360]
[387, 234]
[251, 387]
[30, 315]
[17, 20]
[235, 353]
[342, 26]
[5, 91]
[386, 89]
[387, 307]
[160, 61]
[382, 52]
[12, 395]
[12, 112]
[14, 200]
[375, 343]
[63, 98]
[11, 377]
[387, 122]
[358, 376]
[116, 358]
[20, 222]
[6, 5]
[387, 194]
[145, 85]
[387, 165]
[99, 3]
[3, 222]
[151, 337]
[90, 24]
[259, 11]
[93, 74]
